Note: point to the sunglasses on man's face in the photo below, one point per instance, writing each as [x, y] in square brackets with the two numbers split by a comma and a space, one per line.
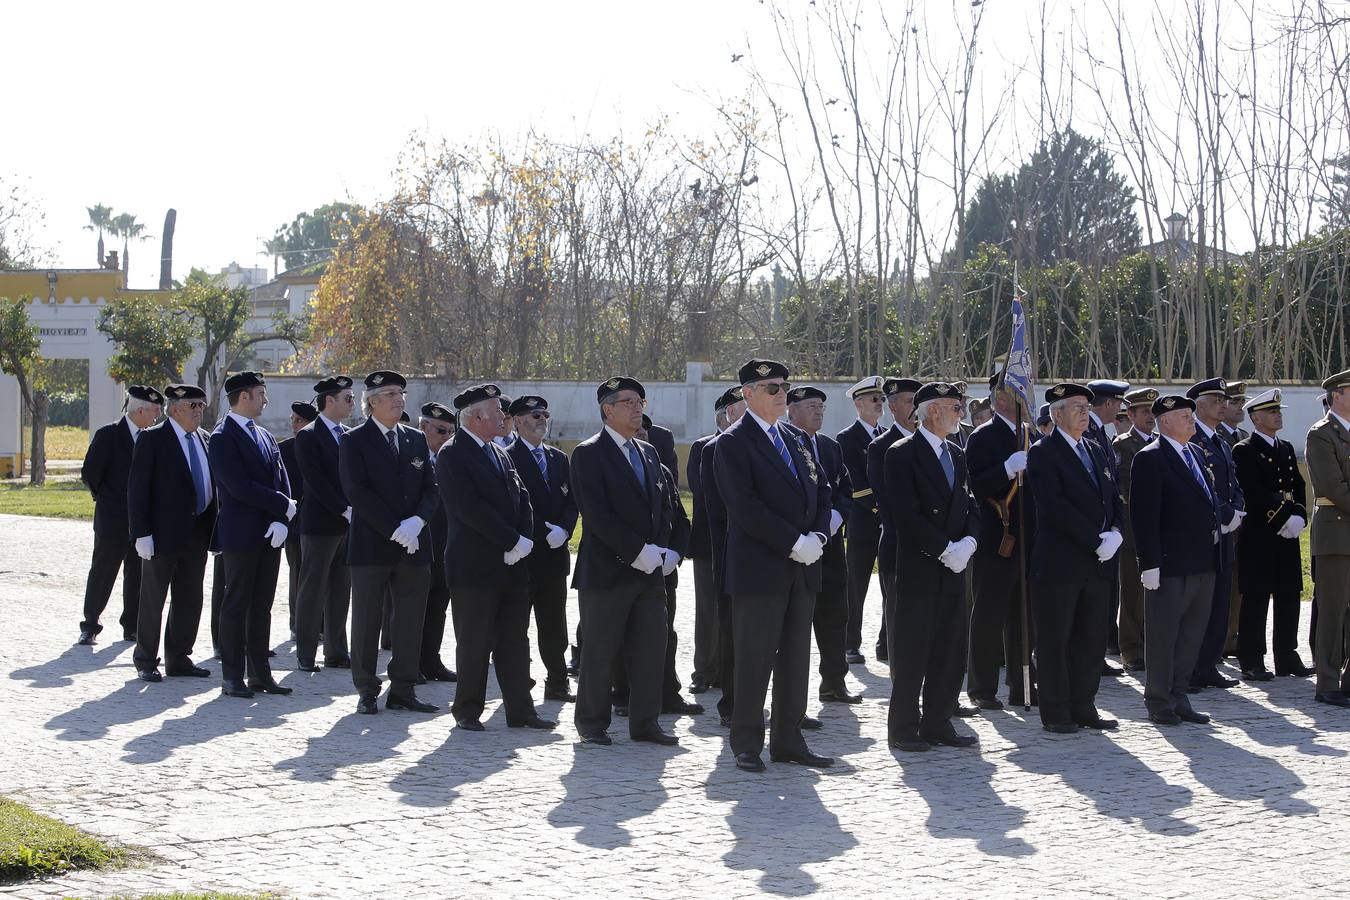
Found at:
[196, 404]
[539, 415]
[773, 387]
[440, 429]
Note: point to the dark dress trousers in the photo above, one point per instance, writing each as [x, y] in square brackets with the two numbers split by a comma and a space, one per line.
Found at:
[1131, 618]
[996, 616]
[107, 464]
[551, 499]
[717, 545]
[928, 610]
[705, 587]
[384, 488]
[769, 507]
[161, 503]
[252, 493]
[325, 580]
[863, 528]
[1071, 588]
[831, 616]
[438, 593]
[1097, 434]
[1176, 530]
[1272, 566]
[487, 512]
[876, 479]
[622, 609]
[1216, 456]
[297, 480]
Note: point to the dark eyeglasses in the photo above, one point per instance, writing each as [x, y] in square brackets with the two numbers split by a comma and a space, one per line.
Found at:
[196, 404]
[773, 387]
[540, 414]
[440, 429]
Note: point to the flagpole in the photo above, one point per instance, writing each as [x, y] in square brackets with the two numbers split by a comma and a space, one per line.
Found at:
[1023, 444]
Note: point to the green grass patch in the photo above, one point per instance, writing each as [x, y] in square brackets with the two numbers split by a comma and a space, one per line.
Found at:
[575, 543]
[34, 846]
[58, 500]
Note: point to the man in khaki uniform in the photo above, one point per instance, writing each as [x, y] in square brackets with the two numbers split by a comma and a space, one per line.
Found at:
[1139, 408]
[1328, 456]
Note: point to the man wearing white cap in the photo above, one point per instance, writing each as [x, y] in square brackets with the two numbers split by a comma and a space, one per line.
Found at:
[863, 528]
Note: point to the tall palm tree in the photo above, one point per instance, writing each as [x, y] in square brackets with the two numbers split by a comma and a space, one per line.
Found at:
[128, 229]
[275, 247]
[100, 220]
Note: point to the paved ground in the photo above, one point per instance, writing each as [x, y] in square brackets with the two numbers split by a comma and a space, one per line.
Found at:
[299, 795]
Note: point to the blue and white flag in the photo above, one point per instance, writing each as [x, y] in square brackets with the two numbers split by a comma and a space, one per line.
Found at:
[1017, 372]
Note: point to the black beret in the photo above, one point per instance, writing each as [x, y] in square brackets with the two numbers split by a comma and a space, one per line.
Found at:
[619, 383]
[994, 380]
[1066, 389]
[728, 397]
[385, 378]
[646, 422]
[1215, 386]
[962, 387]
[332, 384]
[404, 417]
[184, 392]
[1172, 402]
[806, 392]
[242, 381]
[761, 370]
[479, 392]
[305, 410]
[526, 404]
[935, 390]
[148, 394]
[1104, 388]
[893, 386]
[1043, 414]
[434, 410]
[505, 403]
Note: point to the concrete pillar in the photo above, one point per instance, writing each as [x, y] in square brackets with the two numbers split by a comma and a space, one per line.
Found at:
[11, 430]
[105, 395]
[694, 408]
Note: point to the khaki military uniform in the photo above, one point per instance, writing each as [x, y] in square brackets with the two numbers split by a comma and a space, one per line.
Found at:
[1328, 456]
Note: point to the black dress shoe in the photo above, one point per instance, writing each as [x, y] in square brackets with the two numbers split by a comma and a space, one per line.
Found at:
[267, 687]
[1190, 715]
[802, 758]
[910, 745]
[563, 694]
[1215, 680]
[341, 662]
[724, 721]
[1194, 687]
[470, 724]
[1110, 671]
[150, 675]
[838, 694]
[271, 654]
[421, 679]
[681, 707]
[599, 738]
[1332, 698]
[697, 686]
[965, 712]
[235, 687]
[749, 762]
[657, 736]
[1297, 670]
[534, 722]
[367, 706]
[883, 654]
[188, 671]
[1258, 674]
[1166, 717]
[1101, 723]
[953, 740]
[621, 709]
[1060, 727]
[86, 638]
[811, 723]
[987, 702]
[854, 658]
[305, 666]
[129, 637]
[408, 702]
[439, 673]
[1134, 667]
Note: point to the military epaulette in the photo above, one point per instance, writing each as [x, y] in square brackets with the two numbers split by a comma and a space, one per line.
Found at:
[865, 492]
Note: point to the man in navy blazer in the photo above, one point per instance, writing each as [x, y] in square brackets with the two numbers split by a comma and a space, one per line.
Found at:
[547, 475]
[438, 426]
[863, 529]
[171, 511]
[934, 524]
[1175, 514]
[778, 524]
[106, 467]
[254, 506]
[619, 575]
[302, 413]
[899, 393]
[489, 523]
[388, 479]
[325, 580]
[1073, 562]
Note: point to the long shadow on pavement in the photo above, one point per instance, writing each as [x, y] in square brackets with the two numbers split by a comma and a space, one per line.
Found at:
[1237, 773]
[133, 701]
[607, 786]
[957, 785]
[74, 660]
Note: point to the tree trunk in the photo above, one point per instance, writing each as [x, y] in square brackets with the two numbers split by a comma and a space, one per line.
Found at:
[37, 457]
[166, 251]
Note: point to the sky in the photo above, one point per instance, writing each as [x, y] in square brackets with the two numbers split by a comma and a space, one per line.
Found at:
[241, 115]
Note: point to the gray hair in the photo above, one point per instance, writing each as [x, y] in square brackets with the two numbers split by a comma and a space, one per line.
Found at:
[1059, 404]
[921, 411]
[367, 396]
[136, 404]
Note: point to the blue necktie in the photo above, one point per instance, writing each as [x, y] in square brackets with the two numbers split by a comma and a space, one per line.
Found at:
[1195, 470]
[635, 460]
[198, 473]
[392, 441]
[337, 433]
[781, 448]
[543, 464]
[1086, 457]
[492, 455]
[257, 439]
[947, 468]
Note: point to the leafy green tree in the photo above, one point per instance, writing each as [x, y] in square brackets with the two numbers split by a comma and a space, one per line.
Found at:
[313, 236]
[20, 356]
[154, 340]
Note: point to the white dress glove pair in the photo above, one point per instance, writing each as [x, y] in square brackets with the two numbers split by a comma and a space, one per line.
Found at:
[521, 550]
[807, 550]
[648, 559]
[1292, 527]
[407, 532]
[958, 553]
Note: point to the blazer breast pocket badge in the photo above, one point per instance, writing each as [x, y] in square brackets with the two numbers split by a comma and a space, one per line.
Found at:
[564, 489]
[418, 462]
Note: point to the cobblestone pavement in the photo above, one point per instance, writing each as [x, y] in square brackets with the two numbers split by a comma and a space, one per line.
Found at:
[300, 796]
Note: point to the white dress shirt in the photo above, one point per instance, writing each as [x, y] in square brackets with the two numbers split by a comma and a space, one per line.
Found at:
[183, 438]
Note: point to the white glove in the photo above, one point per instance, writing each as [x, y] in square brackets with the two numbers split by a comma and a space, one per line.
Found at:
[556, 536]
[1292, 526]
[807, 550]
[407, 531]
[958, 553]
[511, 557]
[276, 533]
[836, 522]
[1111, 541]
[523, 547]
[347, 514]
[145, 546]
[291, 508]
[648, 560]
[1015, 463]
[1237, 520]
[412, 545]
[670, 561]
[1150, 579]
